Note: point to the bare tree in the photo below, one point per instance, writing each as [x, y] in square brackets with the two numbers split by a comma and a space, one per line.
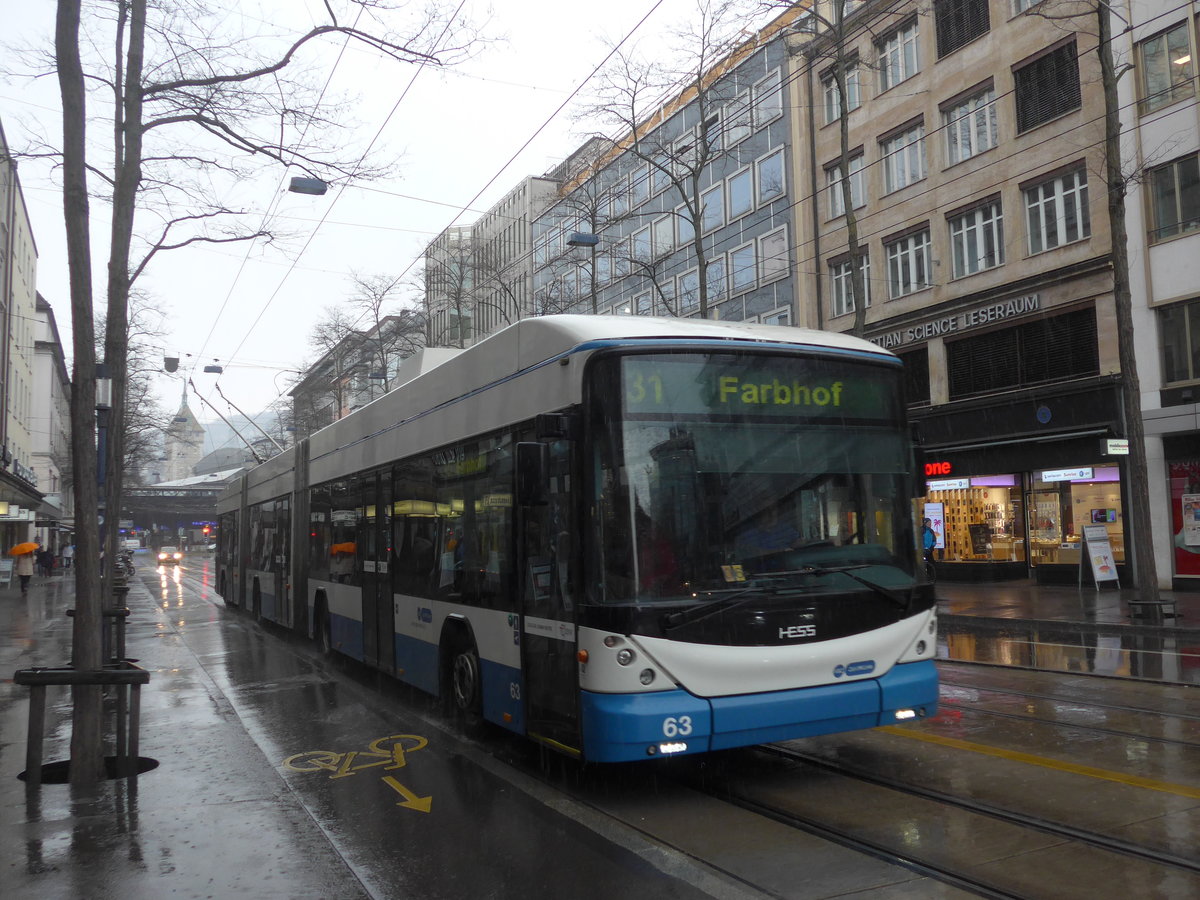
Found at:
[826, 42]
[669, 113]
[390, 331]
[190, 115]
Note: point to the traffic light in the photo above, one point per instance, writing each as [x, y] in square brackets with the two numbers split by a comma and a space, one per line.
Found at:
[206, 530]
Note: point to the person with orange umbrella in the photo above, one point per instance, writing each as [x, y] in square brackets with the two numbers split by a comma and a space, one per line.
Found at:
[24, 554]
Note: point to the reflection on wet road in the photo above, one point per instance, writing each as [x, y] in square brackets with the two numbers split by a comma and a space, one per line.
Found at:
[1128, 652]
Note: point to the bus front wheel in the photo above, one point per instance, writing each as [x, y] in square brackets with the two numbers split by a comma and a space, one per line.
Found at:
[464, 694]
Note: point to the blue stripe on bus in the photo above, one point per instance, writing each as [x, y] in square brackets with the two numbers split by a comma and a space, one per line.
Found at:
[346, 635]
[501, 695]
[266, 603]
[622, 727]
[417, 663]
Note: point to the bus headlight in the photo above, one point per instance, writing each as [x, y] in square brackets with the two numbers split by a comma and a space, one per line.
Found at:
[625, 656]
[646, 676]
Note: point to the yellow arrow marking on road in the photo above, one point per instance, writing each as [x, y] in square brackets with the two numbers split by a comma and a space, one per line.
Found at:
[1167, 787]
[411, 800]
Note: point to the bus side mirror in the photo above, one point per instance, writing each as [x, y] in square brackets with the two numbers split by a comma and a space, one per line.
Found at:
[533, 474]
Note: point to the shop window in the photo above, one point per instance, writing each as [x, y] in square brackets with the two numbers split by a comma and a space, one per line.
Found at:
[1063, 501]
[1037, 352]
[981, 518]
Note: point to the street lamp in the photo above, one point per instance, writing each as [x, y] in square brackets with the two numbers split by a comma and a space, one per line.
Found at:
[103, 411]
[315, 186]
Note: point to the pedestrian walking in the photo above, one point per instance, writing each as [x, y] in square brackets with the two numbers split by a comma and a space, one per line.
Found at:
[25, 570]
[45, 562]
[68, 555]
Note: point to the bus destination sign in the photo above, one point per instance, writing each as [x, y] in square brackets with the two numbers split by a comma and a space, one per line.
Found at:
[759, 385]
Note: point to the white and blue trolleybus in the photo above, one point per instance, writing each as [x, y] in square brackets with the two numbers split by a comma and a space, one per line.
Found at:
[623, 537]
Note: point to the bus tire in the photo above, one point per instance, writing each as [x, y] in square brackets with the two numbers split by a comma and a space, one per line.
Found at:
[463, 683]
[322, 629]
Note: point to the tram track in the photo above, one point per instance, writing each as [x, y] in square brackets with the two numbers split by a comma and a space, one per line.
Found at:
[1023, 820]
[965, 709]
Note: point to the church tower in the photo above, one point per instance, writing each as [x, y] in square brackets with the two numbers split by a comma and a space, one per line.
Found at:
[183, 444]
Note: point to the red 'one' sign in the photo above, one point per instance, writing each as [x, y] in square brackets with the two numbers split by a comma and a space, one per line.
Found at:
[937, 468]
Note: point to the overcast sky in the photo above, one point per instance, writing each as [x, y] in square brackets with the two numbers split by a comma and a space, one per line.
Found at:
[458, 132]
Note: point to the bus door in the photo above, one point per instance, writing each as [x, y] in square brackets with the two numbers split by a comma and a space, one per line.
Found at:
[548, 646]
[374, 547]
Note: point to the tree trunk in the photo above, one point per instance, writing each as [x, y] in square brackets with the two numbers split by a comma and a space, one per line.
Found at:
[1140, 533]
[128, 169]
[87, 748]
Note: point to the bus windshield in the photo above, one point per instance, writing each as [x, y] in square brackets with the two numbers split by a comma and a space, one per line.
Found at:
[718, 471]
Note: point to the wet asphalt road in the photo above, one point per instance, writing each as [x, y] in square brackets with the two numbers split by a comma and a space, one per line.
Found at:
[282, 774]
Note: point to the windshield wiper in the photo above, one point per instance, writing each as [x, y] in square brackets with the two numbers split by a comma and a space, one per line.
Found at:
[896, 599]
[693, 614]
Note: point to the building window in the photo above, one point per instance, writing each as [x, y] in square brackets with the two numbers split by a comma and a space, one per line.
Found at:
[898, 58]
[768, 99]
[829, 90]
[908, 264]
[741, 194]
[770, 177]
[643, 304]
[773, 255]
[715, 276]
[842, 294]
[1040, 351]
[641, 250]
[777, 317]
[916, 376]
[687, 290]
[685, 228]
[977, 239]
[1167, 68]
[664, 236]
[712, 214]
[1048, 87]
[741, 268]
[660, 172]
[971, 126]
[959, 22]
[1175, 194]
[1056, 211]
[639, 186]
[738, 116]
[833, 179]
[903, 159]
[1179, 327]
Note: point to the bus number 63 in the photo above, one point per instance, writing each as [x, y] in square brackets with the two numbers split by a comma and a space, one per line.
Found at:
[677, 727]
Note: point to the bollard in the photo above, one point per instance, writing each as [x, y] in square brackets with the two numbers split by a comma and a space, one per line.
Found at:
[127, 677]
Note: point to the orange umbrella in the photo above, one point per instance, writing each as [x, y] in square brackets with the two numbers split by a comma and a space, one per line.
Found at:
[22, 549]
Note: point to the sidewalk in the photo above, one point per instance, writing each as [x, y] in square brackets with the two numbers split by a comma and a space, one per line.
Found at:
[214, 819]
[1026, 601]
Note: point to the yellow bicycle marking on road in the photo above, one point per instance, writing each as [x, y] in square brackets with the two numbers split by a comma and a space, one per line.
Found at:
[390, 752]
[1152, 784]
